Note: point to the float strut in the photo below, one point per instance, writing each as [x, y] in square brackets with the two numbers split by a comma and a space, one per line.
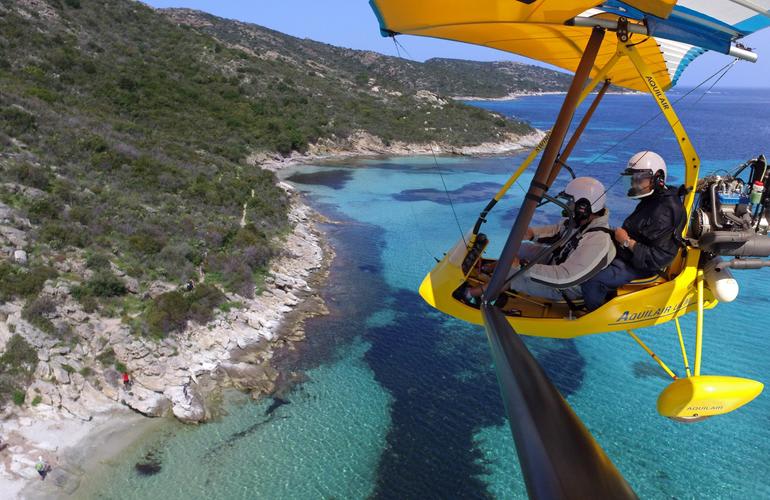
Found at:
[699, 322]
[681, 344]
[654, 356]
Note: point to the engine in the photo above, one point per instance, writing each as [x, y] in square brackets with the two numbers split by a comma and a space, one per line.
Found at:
[732, 213]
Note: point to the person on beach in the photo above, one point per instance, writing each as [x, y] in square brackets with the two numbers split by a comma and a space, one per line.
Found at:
[42, 467]
[587, 250]
[649, 239]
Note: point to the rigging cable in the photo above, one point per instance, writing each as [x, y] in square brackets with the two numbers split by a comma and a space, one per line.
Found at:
[637, 129]
[724, 69]
[399, 46]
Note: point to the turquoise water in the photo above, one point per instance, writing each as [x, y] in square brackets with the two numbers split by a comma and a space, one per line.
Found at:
[402, 402]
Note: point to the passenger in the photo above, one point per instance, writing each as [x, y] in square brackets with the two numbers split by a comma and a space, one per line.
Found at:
[585, 253]
[649, 238]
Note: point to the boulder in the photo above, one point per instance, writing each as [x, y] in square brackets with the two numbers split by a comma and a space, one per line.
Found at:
[145, 401]
[20, 257]
[59, 373]
[187, 403]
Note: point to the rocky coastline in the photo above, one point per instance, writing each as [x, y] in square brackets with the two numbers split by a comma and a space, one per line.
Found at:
[174, 376]
[178, 375]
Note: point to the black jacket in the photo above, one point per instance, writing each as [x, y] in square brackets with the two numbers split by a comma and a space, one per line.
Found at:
[654, 225]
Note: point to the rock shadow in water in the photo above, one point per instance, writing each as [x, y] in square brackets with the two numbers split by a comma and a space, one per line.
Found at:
[335, 179]
[561, 361]
[150, 465]
[470, 193]
[277, 403]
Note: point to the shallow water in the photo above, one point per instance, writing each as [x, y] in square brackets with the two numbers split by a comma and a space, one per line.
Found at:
[402, 401]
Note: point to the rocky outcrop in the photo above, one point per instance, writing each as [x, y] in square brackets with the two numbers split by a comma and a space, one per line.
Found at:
[362, 143]
[174, 375]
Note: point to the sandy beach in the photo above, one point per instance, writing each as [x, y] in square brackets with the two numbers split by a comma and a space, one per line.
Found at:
[72, 447]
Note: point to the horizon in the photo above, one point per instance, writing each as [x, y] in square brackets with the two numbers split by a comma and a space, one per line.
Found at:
[353, 25]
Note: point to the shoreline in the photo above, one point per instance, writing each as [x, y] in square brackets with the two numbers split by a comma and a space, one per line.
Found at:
[364, 146]
[89, 435]
[75, 429]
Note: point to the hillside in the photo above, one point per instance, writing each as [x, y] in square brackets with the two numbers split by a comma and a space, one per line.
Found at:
[125, 135]
[444, 77]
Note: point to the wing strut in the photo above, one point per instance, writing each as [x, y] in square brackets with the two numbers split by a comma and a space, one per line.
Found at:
[538, 186]
[559, 457]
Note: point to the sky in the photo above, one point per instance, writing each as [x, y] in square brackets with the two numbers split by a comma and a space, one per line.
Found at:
[351, 23]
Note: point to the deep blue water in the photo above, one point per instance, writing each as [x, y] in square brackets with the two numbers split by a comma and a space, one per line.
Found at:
[402, 401]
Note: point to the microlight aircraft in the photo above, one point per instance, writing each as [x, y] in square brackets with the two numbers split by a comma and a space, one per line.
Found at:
[643, 45]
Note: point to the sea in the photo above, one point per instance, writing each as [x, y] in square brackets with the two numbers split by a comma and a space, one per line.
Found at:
[401, 401]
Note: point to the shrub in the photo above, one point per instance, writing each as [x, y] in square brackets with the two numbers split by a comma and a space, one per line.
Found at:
[67, 368]
[19, 356]
[106, 284]
[102, 284]
[36, 312]
[97, 262]
[106, 357]
[18, 397]
[31, 175]
[86, 371]
[43, 208]
[146, 243]
[167, 313]
[203, 300]
[120, 367]
[59, 235]
[36, 400]
[17, 121]
[171, 311]
[16, 281]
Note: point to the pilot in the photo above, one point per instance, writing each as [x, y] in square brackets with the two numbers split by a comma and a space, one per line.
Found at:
[587, 251]
[649, 239]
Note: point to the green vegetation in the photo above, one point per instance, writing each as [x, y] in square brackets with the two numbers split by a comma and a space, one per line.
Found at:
[126, 136]
[102, 284]
[36, 400]
[106, 357]
[37, 311]
[17, 364]
[19, 282]
[18, 397]
[171, 311]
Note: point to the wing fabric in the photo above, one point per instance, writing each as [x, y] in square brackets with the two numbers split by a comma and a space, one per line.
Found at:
[536, 29]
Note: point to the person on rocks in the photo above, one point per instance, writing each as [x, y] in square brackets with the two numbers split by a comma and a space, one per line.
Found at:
[649, 239]
[126, 381]
[42, 467]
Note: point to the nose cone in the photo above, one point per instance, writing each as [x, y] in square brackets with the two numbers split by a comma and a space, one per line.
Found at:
[426, 290]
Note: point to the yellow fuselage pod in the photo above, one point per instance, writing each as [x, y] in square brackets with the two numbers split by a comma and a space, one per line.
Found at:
[705, 396]
[646, 307]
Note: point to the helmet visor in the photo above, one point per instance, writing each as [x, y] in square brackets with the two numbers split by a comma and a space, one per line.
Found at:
[638, 182]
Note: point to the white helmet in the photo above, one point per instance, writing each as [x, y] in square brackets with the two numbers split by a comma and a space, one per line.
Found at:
[589, 189]
[645, 165]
